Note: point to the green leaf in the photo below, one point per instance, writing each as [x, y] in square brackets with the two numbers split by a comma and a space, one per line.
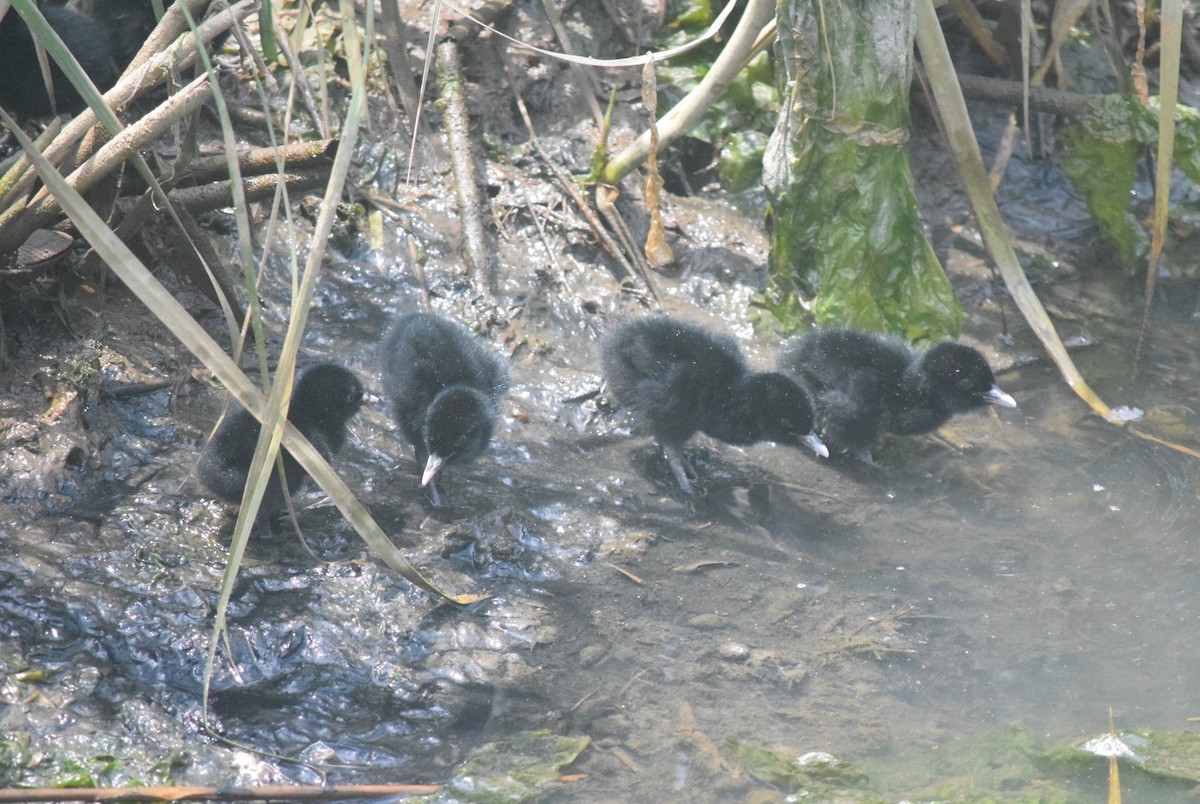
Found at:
[694, 17]
[741, 160]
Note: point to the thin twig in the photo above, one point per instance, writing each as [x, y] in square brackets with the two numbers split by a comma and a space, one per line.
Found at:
[218, 194]
[134, 389]
[606, 203]
[624, 271]
[263, 793]
[980, 31]
[1003, 153]
[395, 42]
[259, 161]
[998, 90]
[478, 250]
[300, 77]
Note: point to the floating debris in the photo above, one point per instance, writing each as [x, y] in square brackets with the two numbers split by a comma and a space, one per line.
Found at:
[1110, 745]
[734, 652]
[1125, 414]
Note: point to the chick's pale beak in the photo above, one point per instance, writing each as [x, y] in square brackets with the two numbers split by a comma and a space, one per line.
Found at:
[432, 467]
[997, 397]
[816, 445]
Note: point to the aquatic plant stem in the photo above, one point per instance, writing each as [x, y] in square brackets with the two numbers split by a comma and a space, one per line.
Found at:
[848, 246]
[1171, 38]
[965, 149]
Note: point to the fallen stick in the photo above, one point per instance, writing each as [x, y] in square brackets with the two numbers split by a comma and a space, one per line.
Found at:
[264, 793]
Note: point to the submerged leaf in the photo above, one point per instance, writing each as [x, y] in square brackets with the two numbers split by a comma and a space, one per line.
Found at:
[1167, 756]
[1101, 161]
[1103, 148]
[516, 769]
[808, 772]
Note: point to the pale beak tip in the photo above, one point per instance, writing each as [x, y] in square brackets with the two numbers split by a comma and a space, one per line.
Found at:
[816, 445]
[432, 467]
[997, 397]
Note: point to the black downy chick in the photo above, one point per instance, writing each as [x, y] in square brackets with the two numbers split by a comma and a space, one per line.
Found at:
[678, 378]
[326, 396]
[864, 384]
[445, 391]
[22, 88]
[104, 43]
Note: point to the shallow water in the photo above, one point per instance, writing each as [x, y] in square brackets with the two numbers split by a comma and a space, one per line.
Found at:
[1034, 567]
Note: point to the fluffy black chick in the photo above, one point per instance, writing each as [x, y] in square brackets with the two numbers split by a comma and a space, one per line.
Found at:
[678, 379]
[864, 384]
[22, 88]
[444, 389]
[326, 396]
